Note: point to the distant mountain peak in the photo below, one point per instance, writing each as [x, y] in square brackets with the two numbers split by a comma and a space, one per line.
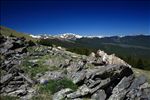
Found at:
[35, 36]
[67, 36]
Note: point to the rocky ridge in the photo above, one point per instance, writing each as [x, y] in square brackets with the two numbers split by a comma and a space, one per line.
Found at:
[98, 76]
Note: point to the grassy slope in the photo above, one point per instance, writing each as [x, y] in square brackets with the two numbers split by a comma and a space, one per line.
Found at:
[139, 72]
[7, 32]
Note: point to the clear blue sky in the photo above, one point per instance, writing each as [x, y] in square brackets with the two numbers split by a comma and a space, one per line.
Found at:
[85, 17]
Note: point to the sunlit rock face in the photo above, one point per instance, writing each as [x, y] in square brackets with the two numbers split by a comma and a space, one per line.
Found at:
[111, 59]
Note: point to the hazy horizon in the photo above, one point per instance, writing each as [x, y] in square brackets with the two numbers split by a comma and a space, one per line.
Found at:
[84, 35]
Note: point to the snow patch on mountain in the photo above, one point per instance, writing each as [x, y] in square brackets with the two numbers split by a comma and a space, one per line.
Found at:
[69, 35]
[35, 36]
[93, 36]
[64, 36]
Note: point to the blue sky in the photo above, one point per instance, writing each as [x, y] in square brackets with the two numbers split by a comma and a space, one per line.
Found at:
[84, 17]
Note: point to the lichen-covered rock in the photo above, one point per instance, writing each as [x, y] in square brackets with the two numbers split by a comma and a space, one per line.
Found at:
[139, 89]
[6, 78]
[50, 75]
[13, 79]
[82, 91]
[61, 94]
[119, 92]
[77, 77]
[111, 59]
[99, 95]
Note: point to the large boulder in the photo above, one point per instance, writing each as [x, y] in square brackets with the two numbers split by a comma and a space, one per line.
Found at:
[50, 75]
[120, 90]
[92, 57]
[6, 78]
[77, 77]
[82, 91]
[111, 59]
[131, 88]
[21, 50]
[139, 89]
[75, 66]
[102, 84]
[61, 94]
[99, 95]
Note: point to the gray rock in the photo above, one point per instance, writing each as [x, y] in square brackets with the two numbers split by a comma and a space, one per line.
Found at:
[58, 60]
[8, 44]
[17, 78]
[119, 92]
[50, 75]
[30, 93]
[82, 91]
[65, 64]
[91, 58]
[16, 82]
[139, 89]
[94, 83]
[111, 59]
[77, 77]
[6, 78]
[8, 89]
[75, 66]
[27, 78]
[137, 82]
[98, 62]
[13, 77]
[99, 76]
[102, 84]
[99, 95]
[20, 92]
[74, 95]
[131, 89]
[78, 99]
[61, 94]
[21, 50]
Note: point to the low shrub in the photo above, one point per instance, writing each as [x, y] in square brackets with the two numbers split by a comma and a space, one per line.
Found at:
[8, 98]
[54, 86]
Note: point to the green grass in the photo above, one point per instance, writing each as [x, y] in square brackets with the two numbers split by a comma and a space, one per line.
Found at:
[54, 86]
[45, 91]
[42, 66]
[8, 98]
[7, 32]
[139, 72]
[42, 96]
[32, 71]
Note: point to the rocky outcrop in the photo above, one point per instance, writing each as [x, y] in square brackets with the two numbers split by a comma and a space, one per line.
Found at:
[13, 81]
[107, 77]
[98, 76]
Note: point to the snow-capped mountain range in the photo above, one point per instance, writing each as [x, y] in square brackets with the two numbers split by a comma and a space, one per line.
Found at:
[72, 36]
[68, 36]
